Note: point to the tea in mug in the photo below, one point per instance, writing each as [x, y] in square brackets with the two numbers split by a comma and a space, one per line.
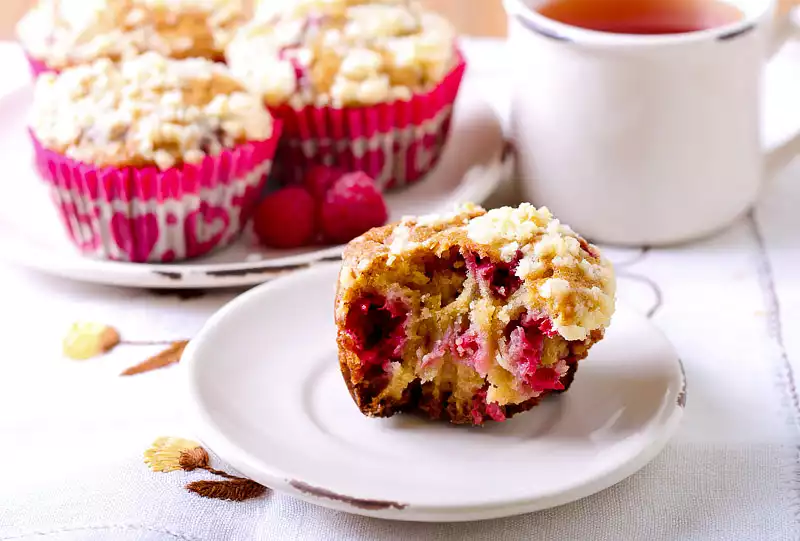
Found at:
[642, 16]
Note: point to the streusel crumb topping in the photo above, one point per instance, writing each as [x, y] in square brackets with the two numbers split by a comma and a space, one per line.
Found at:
[148, 110]
[69, 32]
[344, 52]
[561, 273]
[575, 281]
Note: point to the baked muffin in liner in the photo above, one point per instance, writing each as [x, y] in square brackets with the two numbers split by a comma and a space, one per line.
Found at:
[364, 86]
[470, 316]
[153, 159]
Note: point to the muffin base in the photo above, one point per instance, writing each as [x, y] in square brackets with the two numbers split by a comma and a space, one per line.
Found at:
[394, 143]
[416, 400]
[147, 215]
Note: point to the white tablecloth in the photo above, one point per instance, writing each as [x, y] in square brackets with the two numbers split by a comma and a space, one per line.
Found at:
[72, 433]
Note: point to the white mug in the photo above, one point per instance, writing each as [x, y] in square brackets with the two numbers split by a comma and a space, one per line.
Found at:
[642, 139]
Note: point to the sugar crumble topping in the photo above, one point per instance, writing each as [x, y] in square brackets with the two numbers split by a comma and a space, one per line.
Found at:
[580, 295]
[508, 224]
[343, 52]
[148, 110]
[400, 242]
[69, 32]
[566, 275]
[509, 251]
[436, 219]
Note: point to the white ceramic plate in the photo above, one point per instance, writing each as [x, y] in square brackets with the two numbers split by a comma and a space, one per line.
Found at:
[473, 163]
[268, 397]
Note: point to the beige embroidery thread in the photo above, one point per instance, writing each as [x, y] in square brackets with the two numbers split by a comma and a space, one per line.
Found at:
[171, 454]
[86, 339]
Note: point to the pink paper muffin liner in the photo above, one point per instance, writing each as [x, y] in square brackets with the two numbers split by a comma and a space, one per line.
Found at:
[37, 67]
[394, 143]
[148, 215]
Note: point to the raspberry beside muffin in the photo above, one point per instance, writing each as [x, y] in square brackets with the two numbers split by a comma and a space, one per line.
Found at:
[470, 316]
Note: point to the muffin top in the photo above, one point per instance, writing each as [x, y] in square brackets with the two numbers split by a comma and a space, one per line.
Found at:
[343, 52]
[557, 272]
[148, 110]
[65, 33]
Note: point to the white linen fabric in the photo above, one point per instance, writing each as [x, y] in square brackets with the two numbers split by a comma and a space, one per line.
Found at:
[72, 433]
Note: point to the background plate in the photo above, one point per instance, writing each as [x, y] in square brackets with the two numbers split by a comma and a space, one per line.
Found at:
[474, 161]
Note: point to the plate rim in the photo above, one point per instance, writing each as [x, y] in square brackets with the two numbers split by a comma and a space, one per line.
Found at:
[242, 460]
[199, 275]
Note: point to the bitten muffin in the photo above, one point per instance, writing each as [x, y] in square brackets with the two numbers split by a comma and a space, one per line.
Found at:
[469, 316]
[151, 159]
[58, 34]
[364, 85]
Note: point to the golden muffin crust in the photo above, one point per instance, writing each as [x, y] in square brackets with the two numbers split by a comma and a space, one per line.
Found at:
[343, 52]
[468, 316]
[148, 110]
[65, 33]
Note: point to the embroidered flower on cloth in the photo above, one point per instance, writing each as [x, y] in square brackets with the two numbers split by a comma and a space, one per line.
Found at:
[85, 340]
[165, 453]
[89, 339]
[170, 454]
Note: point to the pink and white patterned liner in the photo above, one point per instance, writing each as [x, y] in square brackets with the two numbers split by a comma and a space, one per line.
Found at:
[394, 143]
[37, 67]
[147, 215]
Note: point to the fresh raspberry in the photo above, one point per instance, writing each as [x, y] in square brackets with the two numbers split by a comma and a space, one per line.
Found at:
[319, 179]
[352, 206]
[285, 219]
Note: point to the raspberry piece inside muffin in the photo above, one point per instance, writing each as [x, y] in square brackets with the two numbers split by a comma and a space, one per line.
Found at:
[481, 410]
[468, 317]
[497, 277]
[375, 326]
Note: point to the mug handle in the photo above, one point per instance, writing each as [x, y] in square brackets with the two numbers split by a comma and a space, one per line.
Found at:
[778, 157]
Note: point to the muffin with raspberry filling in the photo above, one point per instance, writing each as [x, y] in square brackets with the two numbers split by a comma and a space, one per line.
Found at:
[470, 316]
